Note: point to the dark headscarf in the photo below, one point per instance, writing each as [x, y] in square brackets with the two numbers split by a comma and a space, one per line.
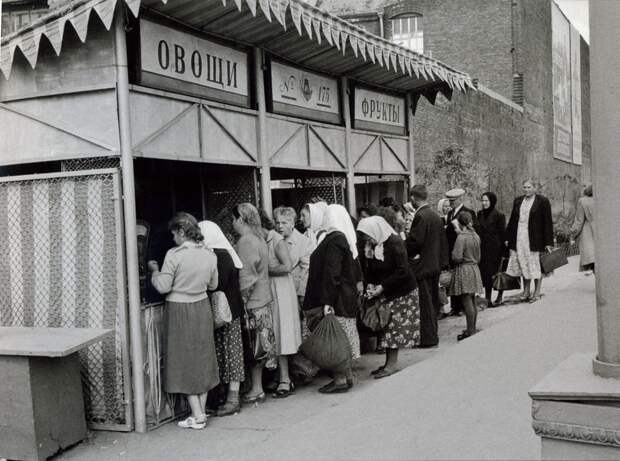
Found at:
[493, 199]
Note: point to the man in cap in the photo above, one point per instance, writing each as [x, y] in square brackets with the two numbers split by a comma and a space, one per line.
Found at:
[456, 197]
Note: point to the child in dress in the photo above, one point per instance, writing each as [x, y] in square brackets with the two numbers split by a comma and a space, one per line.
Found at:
[466, 279]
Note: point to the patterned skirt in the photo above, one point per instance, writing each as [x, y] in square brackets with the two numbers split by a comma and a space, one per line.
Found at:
[466, 280]
[523, 262]
[265, 334]
[350, 329]
[403, 330]
[229, 349]
[190, 363]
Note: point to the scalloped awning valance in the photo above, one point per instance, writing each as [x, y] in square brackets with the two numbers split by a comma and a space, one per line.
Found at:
[329, 43]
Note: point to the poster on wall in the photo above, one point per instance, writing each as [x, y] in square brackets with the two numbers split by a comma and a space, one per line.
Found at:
[185, 63]
[575, 50]
[562, 102]
[379, 111]
[304, 94]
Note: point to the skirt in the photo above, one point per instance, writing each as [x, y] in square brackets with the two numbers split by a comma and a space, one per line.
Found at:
[229, 350]
[403, 330]
[524, 264]
[286, 324]
[350, 329]
[466, 280]
[190, 363]
[264, 334]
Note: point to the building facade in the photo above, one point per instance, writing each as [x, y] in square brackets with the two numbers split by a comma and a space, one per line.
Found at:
[530, 117]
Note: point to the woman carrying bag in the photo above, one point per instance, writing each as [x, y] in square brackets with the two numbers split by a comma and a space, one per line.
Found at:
[390, 283]
[492, 236]
[228, 339]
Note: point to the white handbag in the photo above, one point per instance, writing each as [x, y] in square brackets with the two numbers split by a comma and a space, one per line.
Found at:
[221, 309]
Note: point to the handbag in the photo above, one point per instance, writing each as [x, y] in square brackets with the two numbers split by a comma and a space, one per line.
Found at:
[445, 278]
[552, 260]
[221, 309]
[504, 282]
[252, 338]
[374, 314]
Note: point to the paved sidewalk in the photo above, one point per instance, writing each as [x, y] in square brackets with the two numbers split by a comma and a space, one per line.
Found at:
[464, 401]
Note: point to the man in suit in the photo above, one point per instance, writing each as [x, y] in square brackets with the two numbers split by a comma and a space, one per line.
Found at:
[456, 197]
[425, 248]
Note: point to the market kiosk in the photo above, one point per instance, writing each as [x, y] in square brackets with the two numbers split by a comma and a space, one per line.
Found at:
[138, 109]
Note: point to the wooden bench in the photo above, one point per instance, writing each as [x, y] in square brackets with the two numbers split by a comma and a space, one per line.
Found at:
[41, 401]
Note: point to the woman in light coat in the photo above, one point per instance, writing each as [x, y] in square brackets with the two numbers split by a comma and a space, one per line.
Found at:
[583, 228]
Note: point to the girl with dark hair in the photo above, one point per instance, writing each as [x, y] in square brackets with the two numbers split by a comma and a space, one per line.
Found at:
[466, 281]
[492, 248]
[190, 363]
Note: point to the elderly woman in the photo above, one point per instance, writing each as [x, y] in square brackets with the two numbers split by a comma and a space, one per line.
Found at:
[443, 208]
[492, 235]
[228, 339]
[583, 229]
[529, 232]
[390, 280]
[332, 285]
[189, 270]
[287, 325]
[256, 293]
[312, 215]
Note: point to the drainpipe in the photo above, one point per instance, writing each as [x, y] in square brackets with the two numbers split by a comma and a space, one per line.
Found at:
[129, 212]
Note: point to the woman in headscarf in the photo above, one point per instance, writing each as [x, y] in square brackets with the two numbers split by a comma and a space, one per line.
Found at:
[286, 322]
[228, 340]
[390, 280]
[255, 293]
[492, 237]
[443, 208]
[190, 363]
[332, 285]
[312, 215]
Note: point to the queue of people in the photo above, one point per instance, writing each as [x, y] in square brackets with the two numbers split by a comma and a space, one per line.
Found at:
[277, 283]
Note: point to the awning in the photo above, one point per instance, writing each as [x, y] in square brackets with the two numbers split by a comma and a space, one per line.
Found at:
[327, 43]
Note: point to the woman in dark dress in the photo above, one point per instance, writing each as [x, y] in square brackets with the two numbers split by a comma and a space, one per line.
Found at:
[492, 236]
[228, 339]
[390, 280]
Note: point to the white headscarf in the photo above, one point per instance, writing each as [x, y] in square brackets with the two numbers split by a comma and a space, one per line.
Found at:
[379, 230]
[337, 219]
[317, 215]
[215, 238]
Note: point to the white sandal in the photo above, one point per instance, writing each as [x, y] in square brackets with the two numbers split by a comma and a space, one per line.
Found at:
[193, 423]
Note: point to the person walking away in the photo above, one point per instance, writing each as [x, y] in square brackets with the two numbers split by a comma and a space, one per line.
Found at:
[456, 197]
[583, 229]
[466, 280]
[424, 247]
[390, 280]
[228, 338]
[255, 293]
[190, 363]
[492, 248]
[529, 232]
[312, 215]
[332, 285]
[287, 325]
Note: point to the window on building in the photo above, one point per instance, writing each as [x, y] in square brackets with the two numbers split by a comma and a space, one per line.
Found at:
[407, 32]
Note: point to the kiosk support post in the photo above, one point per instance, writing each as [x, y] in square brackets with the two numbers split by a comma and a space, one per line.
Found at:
[263, 155]
[129, 212]
[346, 110]
[410, 148]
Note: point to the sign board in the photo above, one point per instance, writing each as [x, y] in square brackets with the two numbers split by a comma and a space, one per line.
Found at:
[300, 93]
[184, 62]
[379, 111]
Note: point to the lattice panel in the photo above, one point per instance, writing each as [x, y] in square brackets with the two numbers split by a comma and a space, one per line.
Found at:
[60, 253]
[329, 188]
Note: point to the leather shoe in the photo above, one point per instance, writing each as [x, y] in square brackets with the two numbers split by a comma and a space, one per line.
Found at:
[334, 388]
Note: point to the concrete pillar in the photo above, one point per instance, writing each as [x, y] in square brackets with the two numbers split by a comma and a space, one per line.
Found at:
[605, 97]
[346, 110]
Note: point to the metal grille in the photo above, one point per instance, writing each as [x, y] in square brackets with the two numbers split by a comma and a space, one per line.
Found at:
[224, 191]
[329, 188]
[61, 268]
[94, 163]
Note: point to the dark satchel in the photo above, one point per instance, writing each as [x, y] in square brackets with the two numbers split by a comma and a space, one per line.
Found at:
[551, 261]
[504, 282]
[251, 336]
[374, 314]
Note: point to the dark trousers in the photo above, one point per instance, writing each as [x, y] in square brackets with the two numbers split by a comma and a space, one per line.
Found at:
[428, 292]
